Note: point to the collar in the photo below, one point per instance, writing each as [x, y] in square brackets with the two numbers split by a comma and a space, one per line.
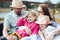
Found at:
[14, 14]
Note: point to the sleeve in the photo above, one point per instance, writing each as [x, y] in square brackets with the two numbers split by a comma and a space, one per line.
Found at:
[36, 29]
[6, 21]
[22, 33]
[20, 22]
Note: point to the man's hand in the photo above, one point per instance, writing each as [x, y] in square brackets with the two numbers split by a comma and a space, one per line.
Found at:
[11, 38]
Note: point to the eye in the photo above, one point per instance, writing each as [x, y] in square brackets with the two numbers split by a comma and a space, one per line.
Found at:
[30, 16]
[40, 11]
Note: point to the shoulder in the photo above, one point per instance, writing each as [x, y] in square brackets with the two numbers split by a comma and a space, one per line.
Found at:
[21, 20]
[54, 23]
[9, 14]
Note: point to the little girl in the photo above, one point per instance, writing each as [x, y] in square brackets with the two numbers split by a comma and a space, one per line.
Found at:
[30, 27]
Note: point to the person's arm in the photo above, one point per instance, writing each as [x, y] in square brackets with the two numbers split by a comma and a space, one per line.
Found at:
[5, 34]
[51, 34]
[35, 30]
[41, 35]
[5, 29]
[57, 31]
[20, 22]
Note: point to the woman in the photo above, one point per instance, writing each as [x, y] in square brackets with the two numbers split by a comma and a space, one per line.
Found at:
[43, 10]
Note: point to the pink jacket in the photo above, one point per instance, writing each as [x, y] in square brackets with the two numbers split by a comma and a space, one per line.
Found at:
[23, 22]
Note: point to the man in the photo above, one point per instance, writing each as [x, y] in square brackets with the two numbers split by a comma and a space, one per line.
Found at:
[11, 18]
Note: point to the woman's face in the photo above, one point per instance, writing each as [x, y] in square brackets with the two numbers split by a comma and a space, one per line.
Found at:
[40, 11]
[31, 17]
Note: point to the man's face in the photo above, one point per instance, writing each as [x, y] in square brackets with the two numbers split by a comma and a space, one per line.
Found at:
[17, 10]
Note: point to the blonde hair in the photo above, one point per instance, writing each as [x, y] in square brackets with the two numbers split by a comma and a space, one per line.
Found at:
[30, 12]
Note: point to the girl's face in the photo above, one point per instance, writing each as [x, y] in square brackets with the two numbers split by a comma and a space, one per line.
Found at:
[31, 17]
[40, 11]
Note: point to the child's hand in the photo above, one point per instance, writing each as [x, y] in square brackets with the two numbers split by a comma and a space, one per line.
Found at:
[41, 32]
[27, 29]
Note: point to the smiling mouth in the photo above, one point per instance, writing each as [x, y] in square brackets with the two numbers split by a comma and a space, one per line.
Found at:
[29, 20]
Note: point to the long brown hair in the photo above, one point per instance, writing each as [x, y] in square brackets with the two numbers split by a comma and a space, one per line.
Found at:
[45, 10]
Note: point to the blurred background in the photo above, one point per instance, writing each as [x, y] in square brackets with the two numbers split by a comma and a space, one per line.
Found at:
[54, 8]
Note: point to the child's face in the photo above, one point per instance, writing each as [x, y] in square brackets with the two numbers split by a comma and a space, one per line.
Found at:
[31, 18]
[43, 26]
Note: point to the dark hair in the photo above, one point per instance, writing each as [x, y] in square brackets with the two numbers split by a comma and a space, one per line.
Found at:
[45, 10]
